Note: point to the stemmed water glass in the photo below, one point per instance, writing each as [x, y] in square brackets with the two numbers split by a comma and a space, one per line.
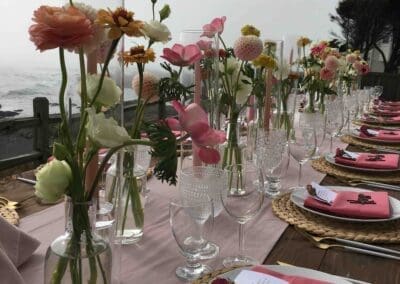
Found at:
[377, 91]
[204, 183]
[350, 108]
[189, 223]
[243, 208]
[334, 117]
[271, 154]
[302, 143]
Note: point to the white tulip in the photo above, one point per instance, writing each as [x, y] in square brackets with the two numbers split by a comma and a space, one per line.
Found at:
[243, 92]
[105, 131]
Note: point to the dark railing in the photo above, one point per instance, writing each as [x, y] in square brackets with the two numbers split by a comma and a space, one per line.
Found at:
[41, 130]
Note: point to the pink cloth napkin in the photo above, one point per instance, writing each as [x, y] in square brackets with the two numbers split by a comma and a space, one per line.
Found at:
[341, 206]
[384, 135]
[15, 248]
[366, 160]
[289, 278]
[387, 112]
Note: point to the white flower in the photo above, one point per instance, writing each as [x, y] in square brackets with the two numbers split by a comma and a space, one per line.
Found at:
[110, 93]
[243, 91]
[232, 66]
[105, 131]
[156, 31]
[53, 180]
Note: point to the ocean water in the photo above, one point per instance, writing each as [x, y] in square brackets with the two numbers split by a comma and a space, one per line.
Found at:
[18, 88]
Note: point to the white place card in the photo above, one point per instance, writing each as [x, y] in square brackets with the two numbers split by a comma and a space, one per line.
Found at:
[352, 155]
[253, 277]
[372, 132]
[325, 194]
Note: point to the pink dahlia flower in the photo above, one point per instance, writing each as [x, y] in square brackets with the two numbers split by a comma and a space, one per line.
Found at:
[318, 49]
[351, 58]
[149, 88]
[248, 47]
[215, 27]
[180, 55]
[60, 27]
[193, 120]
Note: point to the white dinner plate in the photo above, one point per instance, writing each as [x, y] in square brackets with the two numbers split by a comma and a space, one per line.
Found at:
[330, 158]
[356, 134]
[299, 195]
[291, 270]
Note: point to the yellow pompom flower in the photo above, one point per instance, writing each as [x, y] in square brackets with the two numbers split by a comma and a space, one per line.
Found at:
[264, 60]
[250, 30]
[303, 41]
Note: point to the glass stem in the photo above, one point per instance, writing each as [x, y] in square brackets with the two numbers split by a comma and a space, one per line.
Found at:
[241, 239]
[331, 144]
[300, 172]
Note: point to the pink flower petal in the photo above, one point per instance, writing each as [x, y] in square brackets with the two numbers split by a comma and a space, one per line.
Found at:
[191, 54]
[208, 155]
[178, 107]
[173, 123]
[179, 49]
[171, 56]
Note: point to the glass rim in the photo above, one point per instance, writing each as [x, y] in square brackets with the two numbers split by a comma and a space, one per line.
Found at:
[179, 202]
[191, 170]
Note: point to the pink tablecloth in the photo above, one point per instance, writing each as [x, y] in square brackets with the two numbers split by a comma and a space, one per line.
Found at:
[155, 257]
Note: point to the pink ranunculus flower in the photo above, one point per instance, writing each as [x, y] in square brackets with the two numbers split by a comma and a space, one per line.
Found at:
[215, 27]
[361, 66]
[326, 74]
[351, 58]
[193, 120]
[180, 55]
[318, 49]
[331, 62]
[65, 27]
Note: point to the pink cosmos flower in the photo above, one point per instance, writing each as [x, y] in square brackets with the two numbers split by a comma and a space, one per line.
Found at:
[326, 74]
[204, 44]
[180, 55]
[193, 120]
[216, 26]
[60, 27]
[331, 63]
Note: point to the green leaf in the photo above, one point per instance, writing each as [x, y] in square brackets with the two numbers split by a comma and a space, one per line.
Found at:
[60, 152]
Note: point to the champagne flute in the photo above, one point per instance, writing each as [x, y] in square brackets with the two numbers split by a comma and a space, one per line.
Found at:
[243, 208]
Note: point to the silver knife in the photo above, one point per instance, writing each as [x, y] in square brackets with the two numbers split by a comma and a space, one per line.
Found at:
[366, 246]
[26, 180]
[381, 185]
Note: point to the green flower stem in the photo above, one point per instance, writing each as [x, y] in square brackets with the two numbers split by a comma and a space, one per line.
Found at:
[64, 126]
[81, 132]
[79, 147]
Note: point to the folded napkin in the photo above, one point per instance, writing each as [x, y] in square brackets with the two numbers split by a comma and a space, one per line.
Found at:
[291, 279]
[386, 111]
[349, 204]
[367, 160]
[381, 134]
[15, 248]
[392, 119]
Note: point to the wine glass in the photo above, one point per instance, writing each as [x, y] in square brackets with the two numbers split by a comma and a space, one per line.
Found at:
[334, 117]
[189, 223]
[350, 109]
[203, 183]
[270, 154]
[243, 208]
[377, 91]
[302, 143]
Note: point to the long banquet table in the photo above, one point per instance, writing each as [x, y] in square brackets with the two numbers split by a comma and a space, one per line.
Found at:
[155, 257]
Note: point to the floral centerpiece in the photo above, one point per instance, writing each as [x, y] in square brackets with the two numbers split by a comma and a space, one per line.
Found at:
[319, 67]
[78, 252]
[351, 67]
[236, 86]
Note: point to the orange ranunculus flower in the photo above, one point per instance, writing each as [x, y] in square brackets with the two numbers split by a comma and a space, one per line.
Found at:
[138, 54]
[60, 27]
[120, 22]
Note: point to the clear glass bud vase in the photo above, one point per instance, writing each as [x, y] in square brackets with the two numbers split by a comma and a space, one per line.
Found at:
[79, 255]
[131, 194]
